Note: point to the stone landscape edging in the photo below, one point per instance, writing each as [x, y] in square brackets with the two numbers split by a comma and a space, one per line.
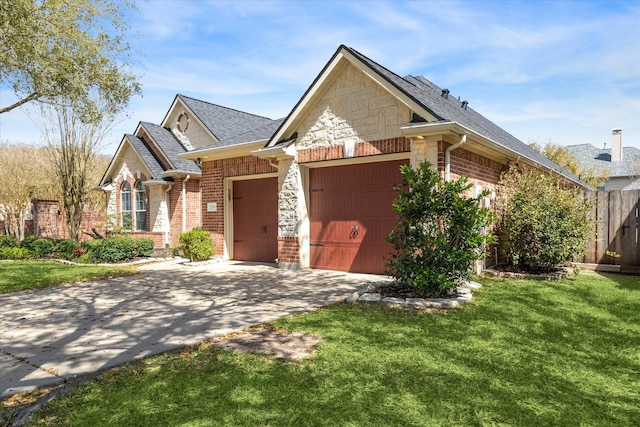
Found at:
[562, 273]
[368, 295]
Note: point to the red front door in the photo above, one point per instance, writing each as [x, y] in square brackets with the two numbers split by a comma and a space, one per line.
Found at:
[255, 220]
[351, 215]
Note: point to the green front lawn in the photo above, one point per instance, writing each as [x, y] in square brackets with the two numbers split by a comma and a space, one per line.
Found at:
[25, 275]
[521, 353]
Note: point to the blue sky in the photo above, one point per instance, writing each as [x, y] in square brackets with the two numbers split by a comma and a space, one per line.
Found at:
[565, 72]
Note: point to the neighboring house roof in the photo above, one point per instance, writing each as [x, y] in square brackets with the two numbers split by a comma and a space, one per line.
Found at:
[223, 122]
[590, 157]
[170, 146]
[426, 96]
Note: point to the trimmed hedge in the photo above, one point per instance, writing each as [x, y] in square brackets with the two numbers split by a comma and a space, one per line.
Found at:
[114, 249]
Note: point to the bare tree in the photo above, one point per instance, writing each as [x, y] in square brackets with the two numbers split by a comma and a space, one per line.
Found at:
[74, 140]
[26, 173]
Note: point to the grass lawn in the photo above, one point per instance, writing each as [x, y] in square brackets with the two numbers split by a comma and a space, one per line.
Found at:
[25, 275]
[521, 353]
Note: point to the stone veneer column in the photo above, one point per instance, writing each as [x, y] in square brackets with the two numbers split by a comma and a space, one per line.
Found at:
[424, 149]
[293, 223]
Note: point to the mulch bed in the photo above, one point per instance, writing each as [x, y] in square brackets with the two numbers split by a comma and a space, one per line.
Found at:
[397, 289]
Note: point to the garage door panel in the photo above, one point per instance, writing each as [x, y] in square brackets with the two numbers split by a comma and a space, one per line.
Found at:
[255, 220]
[351, 215]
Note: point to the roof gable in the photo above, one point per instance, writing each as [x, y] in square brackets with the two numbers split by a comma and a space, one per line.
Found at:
[390, 81]
[422, 97]
[222, 122]
[166, 142]
[146, 156]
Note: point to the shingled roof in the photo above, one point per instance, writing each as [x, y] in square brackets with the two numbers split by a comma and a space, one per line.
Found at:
[590, 157]
[223, 122]
[148, 157]
[262, 133]
[170, 147]
[448, 109]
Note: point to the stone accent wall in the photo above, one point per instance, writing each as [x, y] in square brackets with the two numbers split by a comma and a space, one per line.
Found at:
[195, 136]
[361, 149]
[424, 149]
[290, 186]
[288, 250]
[352, 109]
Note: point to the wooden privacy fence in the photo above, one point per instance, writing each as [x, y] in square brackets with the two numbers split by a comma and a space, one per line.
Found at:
[616, 230]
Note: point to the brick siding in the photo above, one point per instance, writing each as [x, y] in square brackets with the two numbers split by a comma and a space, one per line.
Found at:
[479, 169]
[289, 250]
[362, 149]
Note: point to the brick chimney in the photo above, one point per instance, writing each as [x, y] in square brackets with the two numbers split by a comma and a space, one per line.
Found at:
[616, 145]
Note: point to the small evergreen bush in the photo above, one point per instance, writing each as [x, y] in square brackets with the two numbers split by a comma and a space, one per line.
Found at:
[8, 242]
[42, 247]
[543, 223]
[66, 248]
[15, 252]
[144, 246]
[197, 245]
[27, 242]
[439, 232]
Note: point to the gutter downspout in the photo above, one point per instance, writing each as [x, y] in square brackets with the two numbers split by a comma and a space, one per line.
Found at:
[447, 157]
[167, 227]
[184, 203]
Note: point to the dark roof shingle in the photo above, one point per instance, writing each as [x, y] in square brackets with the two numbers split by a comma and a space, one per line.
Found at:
[450, 109]
[170, 147]
[223, 122]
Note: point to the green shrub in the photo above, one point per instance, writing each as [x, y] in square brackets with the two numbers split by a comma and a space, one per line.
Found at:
[42, 246]
[176, 250]
[543, 223]
[439, 232]
[197, 245]
[89, 245]
[144, 246]
[27, 242]
[114, 249]
[66, 248]
[15, 252]
[8, 242]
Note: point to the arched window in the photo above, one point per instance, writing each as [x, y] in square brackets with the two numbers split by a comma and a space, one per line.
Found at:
[141, 206]
[125, 204]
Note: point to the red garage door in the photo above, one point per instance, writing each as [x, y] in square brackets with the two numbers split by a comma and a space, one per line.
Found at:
[255, 220]
[351, 215]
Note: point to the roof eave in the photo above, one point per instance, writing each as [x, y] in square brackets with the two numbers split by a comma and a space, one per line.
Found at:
[414, 130]
[225, 152]
[177, 173]
[284, 150]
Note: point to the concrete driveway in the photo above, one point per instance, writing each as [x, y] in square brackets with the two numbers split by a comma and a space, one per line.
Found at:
[57, 333]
